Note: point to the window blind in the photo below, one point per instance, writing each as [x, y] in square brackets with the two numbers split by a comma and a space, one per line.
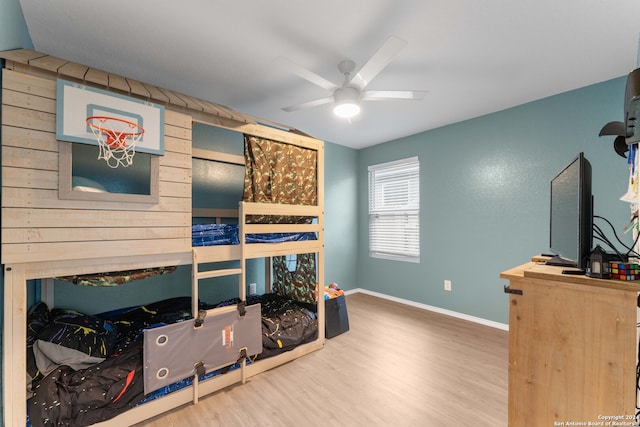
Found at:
[394, 210]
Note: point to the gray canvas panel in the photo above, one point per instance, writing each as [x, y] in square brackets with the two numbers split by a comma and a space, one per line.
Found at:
[171, 352]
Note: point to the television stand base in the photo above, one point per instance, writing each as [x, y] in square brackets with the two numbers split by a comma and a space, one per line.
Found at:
[574, 272]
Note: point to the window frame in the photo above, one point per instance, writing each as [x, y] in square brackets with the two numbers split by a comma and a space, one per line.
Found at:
[66, 191]
[379, 207]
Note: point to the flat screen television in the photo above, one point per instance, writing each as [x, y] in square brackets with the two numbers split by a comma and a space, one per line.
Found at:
[571, 225]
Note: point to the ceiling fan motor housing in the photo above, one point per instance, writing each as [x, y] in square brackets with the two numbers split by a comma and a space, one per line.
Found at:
[346, 94]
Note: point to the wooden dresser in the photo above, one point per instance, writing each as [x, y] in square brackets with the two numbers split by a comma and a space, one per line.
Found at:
[572, 348]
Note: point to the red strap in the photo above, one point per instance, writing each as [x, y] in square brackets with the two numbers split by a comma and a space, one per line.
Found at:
[126, 385]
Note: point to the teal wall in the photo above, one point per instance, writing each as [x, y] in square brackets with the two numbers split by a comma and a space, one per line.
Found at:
[13, 29]
[484, 196]
[341, 216]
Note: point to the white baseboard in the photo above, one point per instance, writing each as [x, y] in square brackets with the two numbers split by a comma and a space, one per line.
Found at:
[491, 323]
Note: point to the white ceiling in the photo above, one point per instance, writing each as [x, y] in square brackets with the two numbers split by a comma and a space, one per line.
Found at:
[473, 57]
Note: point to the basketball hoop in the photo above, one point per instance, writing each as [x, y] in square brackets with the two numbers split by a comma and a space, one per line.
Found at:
[117, 139]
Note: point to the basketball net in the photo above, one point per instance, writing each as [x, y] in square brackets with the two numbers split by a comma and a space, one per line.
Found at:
[117, 139]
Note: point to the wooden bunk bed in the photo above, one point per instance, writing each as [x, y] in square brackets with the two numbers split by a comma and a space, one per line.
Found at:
[46, 233]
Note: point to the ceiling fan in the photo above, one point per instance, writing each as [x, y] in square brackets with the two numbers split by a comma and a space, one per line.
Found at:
[347, 97]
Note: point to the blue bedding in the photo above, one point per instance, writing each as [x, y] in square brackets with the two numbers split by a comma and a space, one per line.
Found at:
[228, 234]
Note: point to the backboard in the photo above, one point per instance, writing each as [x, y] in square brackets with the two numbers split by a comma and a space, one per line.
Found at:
[76, 102]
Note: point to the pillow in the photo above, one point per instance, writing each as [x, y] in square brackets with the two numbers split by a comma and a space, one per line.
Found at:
[49, 356]
[74, 339]
[80, 183]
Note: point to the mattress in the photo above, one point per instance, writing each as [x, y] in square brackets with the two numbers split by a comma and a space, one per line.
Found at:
[100, 392]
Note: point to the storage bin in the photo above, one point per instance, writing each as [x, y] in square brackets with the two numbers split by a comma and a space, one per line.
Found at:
[336, 317]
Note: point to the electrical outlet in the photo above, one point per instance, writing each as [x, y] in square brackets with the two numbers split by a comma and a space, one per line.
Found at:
[447, 285]
[253, 288]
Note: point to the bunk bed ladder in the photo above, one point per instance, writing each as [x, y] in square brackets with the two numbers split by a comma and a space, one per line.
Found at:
[197, 275]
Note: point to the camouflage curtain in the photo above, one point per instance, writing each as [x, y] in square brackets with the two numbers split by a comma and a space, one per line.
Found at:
[299, 284]
[276, 172]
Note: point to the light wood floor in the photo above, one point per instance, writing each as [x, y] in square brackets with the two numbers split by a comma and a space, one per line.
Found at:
[397, 366]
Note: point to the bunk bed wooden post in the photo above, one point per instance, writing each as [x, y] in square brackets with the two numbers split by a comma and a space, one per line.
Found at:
[194, 282]
[194, 310]
[267, 275]
[14, 365]
[47, 292]
[320, 269]
[242, 286]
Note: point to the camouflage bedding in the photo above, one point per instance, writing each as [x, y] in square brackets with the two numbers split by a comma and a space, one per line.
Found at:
[116, 278]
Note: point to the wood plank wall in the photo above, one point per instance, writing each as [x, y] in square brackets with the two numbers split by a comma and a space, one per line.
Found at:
[37, 226]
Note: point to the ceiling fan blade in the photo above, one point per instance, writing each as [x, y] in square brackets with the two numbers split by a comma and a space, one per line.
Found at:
[309, 104]
[310, 76]
[381, 95]
[378, 61]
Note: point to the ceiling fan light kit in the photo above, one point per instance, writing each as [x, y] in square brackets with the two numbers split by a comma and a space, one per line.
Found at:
[346, 102]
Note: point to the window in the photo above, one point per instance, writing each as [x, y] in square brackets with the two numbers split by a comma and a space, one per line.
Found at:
[394, 210]
[82, 176]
